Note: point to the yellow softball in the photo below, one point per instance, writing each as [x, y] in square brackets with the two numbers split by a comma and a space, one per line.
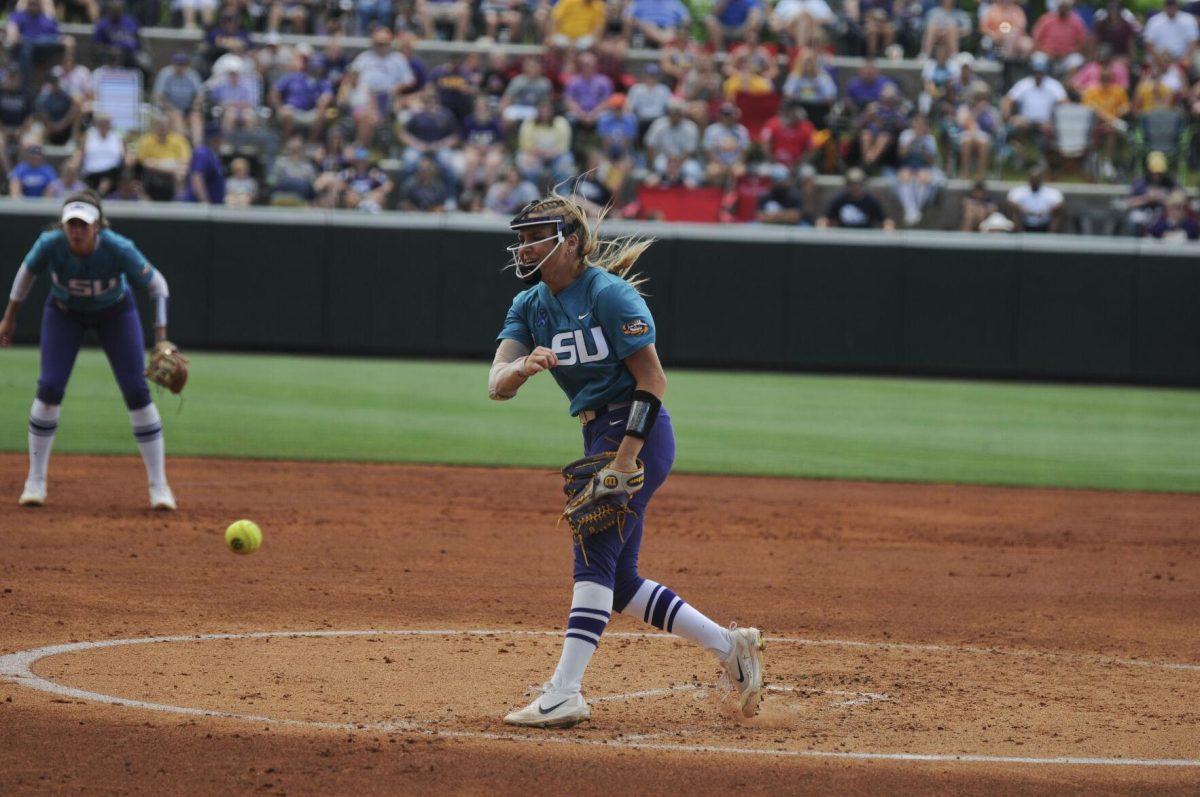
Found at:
[243, 536]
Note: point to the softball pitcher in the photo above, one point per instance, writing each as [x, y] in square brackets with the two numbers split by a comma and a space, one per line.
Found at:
[91, 268]
[585, 322]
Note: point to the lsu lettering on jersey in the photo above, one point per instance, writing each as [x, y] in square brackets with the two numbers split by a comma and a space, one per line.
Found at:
[592, 326]
[94, 282]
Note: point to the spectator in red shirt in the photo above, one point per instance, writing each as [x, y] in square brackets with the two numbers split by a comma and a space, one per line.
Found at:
[788, 136]
[1060, 33]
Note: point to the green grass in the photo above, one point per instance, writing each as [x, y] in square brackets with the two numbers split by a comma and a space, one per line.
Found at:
[815, 426]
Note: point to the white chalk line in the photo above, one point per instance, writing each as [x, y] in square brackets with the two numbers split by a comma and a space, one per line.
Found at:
[933, 648]
[856, 698]
[17, 667]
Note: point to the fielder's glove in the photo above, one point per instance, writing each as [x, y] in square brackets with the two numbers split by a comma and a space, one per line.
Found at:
[167, 367]
[598, 496]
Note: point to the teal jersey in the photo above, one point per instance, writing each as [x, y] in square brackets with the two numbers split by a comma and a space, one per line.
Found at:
[94, 282]
[597, 322]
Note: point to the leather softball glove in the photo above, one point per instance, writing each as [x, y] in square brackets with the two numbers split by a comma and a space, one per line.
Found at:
[167, 366]
[598, 496]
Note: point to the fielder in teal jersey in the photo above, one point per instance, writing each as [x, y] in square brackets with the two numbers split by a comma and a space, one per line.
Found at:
[584, 320]
[92, 272]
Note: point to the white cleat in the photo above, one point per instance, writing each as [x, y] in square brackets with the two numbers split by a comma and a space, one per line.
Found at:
[162, 498]
[551, 710]
[34, 494]
[744, 667]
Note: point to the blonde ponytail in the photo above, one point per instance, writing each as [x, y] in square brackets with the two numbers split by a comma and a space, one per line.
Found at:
[616, 255]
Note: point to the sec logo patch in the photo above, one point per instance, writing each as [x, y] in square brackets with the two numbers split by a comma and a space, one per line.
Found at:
[635, 327]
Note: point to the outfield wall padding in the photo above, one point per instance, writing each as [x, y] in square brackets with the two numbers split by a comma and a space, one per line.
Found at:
[1044, 307]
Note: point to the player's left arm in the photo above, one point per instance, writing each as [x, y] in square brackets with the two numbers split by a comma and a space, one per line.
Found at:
[629, 327]
[159, 293]
[143, 275]
[651, 382]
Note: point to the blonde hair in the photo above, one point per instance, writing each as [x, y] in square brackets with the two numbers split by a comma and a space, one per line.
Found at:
[615, 255]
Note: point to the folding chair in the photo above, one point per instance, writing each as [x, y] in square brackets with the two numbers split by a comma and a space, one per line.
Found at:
[757, 110]
[1073, 133]
[119, 95]
[1167, 132]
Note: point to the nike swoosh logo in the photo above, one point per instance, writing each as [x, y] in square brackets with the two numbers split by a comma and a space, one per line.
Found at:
[585, 315]
[548, 710]
[615, 423]
[741, 675]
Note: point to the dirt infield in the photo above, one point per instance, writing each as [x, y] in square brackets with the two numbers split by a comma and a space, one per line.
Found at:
[922, 639]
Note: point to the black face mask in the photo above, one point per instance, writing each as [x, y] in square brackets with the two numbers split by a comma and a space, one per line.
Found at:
[532, 279]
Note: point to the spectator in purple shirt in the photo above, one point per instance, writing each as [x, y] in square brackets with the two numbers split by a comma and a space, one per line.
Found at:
[866, 87]
[119, 31]
[1176, 222]
[616, 125]
[483, 146]
[586, 93]
[227, 36]
[33, 35]
[656, 22]
[236, 100]
[32, 175]
[206, 174]
[431, 129]
[367, 187]
[16, 114]
[426, 191]
[302, 97]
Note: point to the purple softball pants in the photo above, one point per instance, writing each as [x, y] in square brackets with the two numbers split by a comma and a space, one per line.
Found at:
[611, 561]
[120, 333]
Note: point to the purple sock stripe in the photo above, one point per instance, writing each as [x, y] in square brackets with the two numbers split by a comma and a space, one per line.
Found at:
[586, 624]
[650, 603]
[587, 639]
[41, 429]
[659, 616]
[671, 619]
[596, 612]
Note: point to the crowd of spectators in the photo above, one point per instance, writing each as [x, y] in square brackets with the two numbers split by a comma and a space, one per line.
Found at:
[740, 98]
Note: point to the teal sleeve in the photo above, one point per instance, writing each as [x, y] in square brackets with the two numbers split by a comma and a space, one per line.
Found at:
[515, 328]
[625, 318]
[137, 268]
[38, 257]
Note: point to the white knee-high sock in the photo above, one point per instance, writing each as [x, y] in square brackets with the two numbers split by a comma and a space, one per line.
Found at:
[147, 431]
[43, 425]
[663, 609]
[591, 608]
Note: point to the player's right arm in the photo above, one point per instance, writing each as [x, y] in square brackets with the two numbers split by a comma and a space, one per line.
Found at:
[512, 366]
[20, 290]
[34, 264]
[518, 356]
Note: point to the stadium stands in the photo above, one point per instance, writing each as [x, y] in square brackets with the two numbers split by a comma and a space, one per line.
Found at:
[395, 105]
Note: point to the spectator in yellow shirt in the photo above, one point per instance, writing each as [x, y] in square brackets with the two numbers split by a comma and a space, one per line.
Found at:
[1152, 92]
[576, 23]
[746, 79]
[162, 157]
[1110, 102]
